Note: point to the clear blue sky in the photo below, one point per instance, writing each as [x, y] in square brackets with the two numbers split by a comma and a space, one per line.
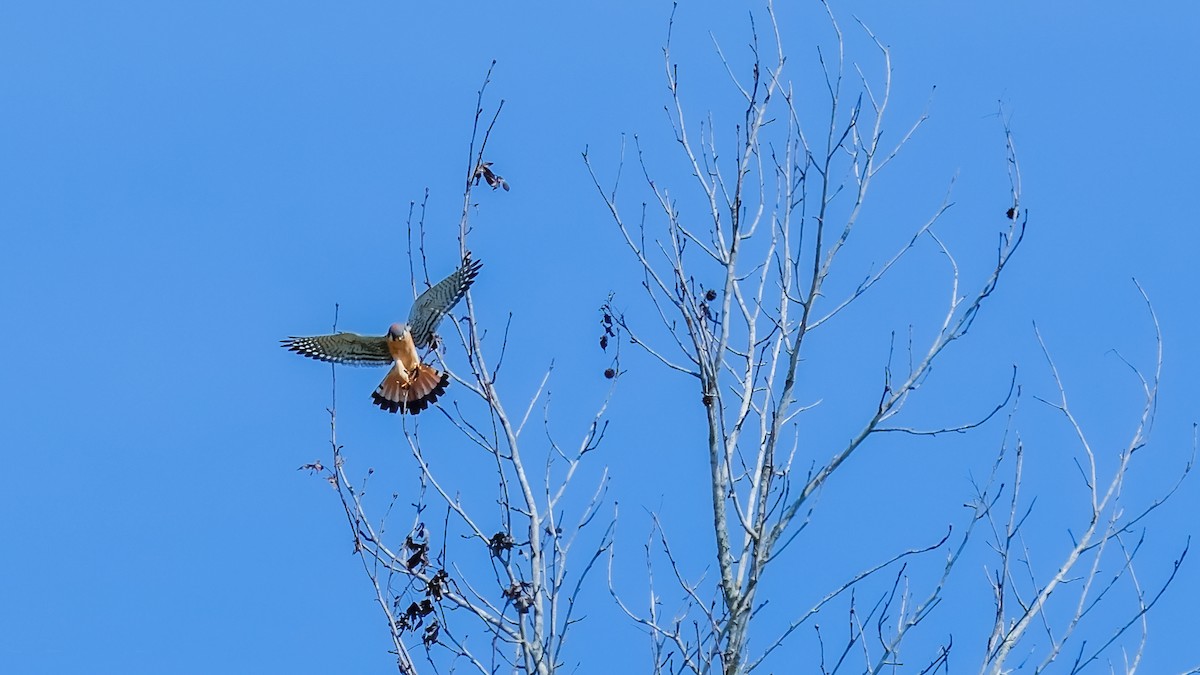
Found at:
[182, 184]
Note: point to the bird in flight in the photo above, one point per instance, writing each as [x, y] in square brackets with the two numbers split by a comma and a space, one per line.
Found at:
[410, 385]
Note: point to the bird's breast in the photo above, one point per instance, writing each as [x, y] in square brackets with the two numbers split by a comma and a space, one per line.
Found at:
[404, 351]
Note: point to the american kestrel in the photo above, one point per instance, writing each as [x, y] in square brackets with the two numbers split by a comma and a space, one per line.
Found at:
[410, 385]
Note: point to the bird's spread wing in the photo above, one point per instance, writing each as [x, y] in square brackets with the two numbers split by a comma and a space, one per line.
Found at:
[433, 304]
[349, 348]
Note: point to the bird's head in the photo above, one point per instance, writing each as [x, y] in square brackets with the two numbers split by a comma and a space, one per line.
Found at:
[397, 331]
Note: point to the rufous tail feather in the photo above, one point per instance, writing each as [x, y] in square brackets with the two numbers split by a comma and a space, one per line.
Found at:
[412, 395]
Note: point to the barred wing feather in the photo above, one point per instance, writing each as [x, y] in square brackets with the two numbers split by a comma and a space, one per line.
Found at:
[348, 348]
[439, 299]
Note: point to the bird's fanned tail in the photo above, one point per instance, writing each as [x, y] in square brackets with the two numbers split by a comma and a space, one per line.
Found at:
[398, 392]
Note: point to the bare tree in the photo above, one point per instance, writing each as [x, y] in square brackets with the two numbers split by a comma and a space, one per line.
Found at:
[1109, 537]
[770, 225]
[485, 584]
[498, 567]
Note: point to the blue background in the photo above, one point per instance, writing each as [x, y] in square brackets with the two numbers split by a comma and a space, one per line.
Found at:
[182, 184]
